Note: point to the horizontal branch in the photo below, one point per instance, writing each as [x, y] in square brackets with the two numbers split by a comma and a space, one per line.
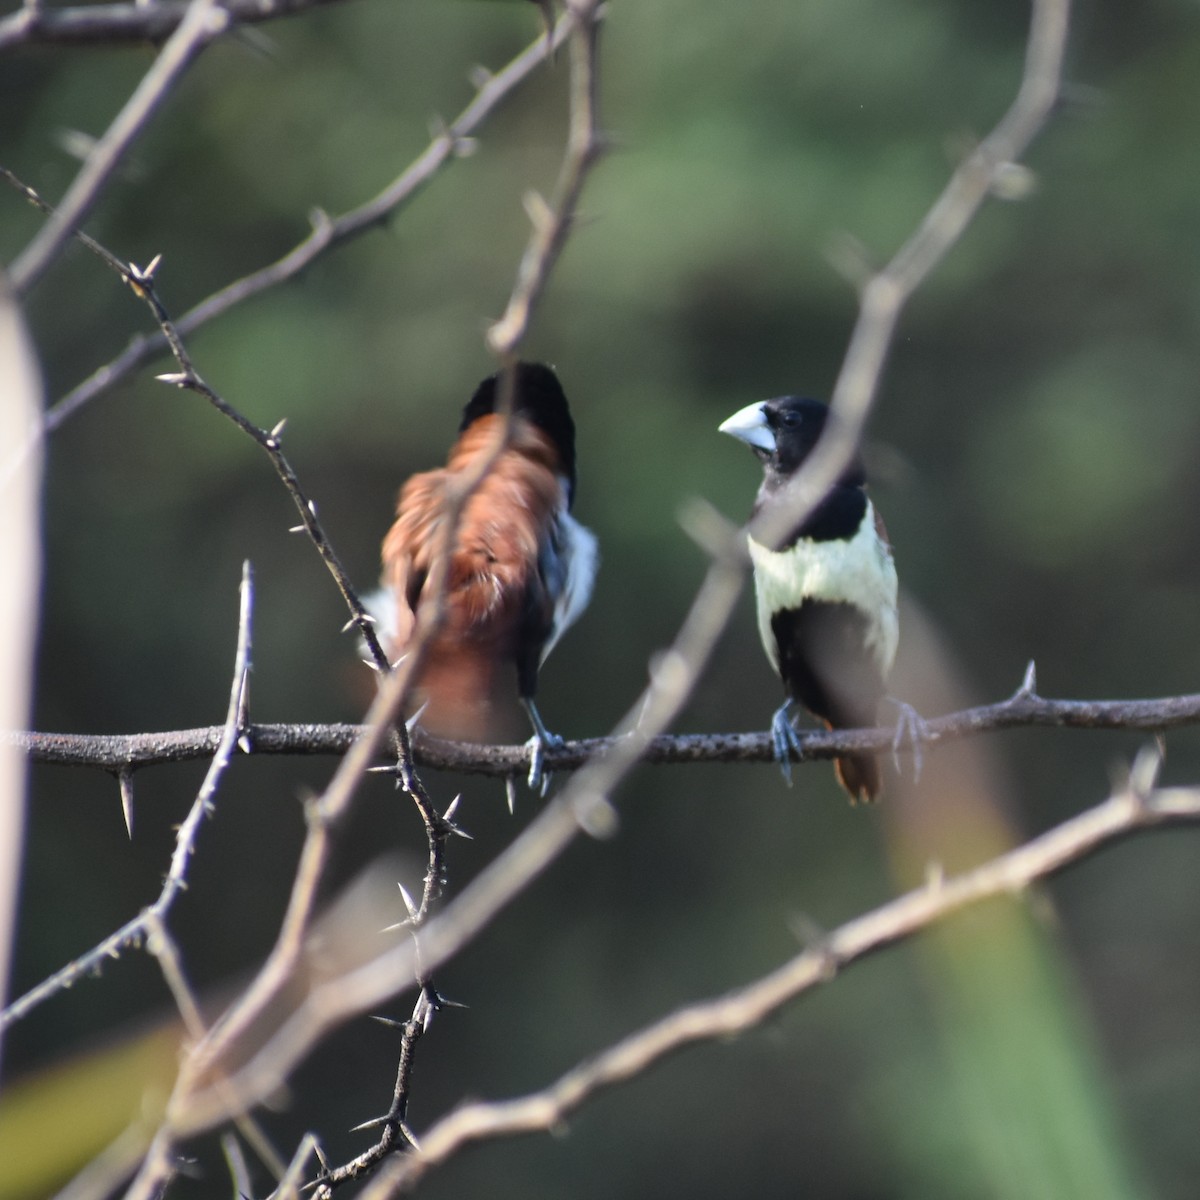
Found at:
[1025, 708]
[99, 24]
[737, 1011]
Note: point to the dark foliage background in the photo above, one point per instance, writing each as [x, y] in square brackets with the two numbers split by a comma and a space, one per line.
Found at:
[1033, 450]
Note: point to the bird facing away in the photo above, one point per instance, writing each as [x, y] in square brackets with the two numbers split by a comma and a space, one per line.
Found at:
[520, 570]
[827, 597]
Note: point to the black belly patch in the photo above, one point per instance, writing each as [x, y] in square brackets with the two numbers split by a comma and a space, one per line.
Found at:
[825, 664]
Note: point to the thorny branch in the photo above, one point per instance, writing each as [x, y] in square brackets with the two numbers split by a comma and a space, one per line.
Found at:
[1025, 708]
[438, 828]
[448, 143]
[149, 929]
[202, 1068]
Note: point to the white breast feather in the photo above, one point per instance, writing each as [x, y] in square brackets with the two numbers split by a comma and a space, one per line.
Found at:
[380, 604]
[578, 555]
[859, 572]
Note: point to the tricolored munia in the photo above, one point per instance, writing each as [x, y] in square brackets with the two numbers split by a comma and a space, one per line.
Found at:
[520, 571]
[826, 597]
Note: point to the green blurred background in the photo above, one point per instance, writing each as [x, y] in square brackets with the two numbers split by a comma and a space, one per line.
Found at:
[1033, 450]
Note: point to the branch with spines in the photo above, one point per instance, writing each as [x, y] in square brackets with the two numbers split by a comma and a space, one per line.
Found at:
[149, 930]
[1025, 708]
[449, 141]
[326, 812]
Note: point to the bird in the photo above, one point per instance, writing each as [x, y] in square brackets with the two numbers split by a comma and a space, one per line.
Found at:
[520, 570]
[826, 598]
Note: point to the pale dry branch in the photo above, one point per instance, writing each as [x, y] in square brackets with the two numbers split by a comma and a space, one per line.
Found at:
[552, 223]
[21, 553]
[1011, 874]
[203, 22]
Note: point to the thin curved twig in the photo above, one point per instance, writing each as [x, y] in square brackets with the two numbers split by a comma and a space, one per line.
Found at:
[885, 293]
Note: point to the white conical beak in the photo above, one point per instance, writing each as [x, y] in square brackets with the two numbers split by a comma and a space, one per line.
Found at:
[749, 425]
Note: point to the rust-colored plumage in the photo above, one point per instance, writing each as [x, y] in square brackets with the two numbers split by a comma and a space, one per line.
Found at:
[519, 572]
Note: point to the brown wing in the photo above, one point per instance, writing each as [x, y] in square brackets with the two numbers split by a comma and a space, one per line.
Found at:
[494, 597]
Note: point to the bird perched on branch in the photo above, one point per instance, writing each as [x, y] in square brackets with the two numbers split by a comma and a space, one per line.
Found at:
[520, 569]
[826, 597]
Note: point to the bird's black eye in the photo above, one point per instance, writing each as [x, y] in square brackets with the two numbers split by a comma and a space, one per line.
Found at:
[790, 418]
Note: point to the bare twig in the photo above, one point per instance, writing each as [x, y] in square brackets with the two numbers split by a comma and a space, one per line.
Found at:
[141, 281]
[1115, 820]
[885, 293]
[203, 21]
[552, 222]
[327, 232]
[149, 928]
[136, 931]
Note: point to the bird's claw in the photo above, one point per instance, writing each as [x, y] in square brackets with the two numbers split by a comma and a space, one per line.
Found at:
[538, 744]
[913, 729]
[785, 740]
[541, 741]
